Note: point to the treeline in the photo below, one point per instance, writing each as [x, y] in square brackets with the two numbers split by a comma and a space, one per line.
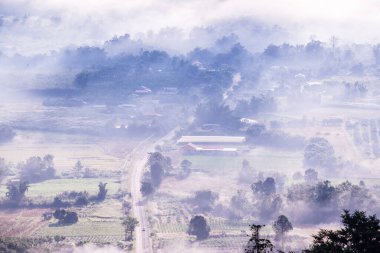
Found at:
[122, 74]
[214, 65]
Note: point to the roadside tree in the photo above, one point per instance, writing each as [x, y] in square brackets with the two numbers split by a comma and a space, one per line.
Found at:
[130, 224]
[146, 188]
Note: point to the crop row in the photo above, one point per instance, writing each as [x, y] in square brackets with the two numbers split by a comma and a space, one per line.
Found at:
[365, 134]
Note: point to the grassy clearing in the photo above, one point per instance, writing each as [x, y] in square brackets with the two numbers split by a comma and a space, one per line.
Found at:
[215, 164]
[262, 159]
[282, 161]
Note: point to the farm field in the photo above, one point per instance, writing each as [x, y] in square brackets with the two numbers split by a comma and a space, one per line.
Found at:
[172, 212]
[171, 224]
[171, 219]
[357, 144]
[48, 189]
[67, 150]
[21, 222]
[97, 223]
[263, 159]
[335, 135]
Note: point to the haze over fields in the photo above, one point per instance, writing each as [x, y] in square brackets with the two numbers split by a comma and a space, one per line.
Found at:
[189, 126]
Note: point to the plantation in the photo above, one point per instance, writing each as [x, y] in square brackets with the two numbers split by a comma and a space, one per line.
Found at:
[98, 223]
[365, 135]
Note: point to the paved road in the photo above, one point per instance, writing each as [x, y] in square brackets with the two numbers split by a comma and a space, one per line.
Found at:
[135, 164]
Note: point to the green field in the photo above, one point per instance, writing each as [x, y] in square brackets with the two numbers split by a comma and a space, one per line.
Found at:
[262, 159]
[50, 188]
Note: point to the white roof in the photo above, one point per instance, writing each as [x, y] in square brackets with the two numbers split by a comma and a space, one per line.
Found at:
[197, 148]
[211, 139]
[217, 149]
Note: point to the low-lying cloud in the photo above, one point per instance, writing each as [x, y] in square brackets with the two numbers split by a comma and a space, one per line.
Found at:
[36, 26]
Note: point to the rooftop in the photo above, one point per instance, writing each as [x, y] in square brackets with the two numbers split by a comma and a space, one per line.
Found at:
[211, 139]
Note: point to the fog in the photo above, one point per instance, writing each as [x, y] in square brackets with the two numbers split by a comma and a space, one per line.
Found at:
[175, 126]
[40, 27]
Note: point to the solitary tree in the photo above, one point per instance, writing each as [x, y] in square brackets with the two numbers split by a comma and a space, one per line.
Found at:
[256, 244]
[360, 234]
[16, 191]
[130, 224]
[281, 226]
[102, 191]
[198, 226]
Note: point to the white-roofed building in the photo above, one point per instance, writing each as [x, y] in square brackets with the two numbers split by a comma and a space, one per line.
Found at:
[211, 139]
